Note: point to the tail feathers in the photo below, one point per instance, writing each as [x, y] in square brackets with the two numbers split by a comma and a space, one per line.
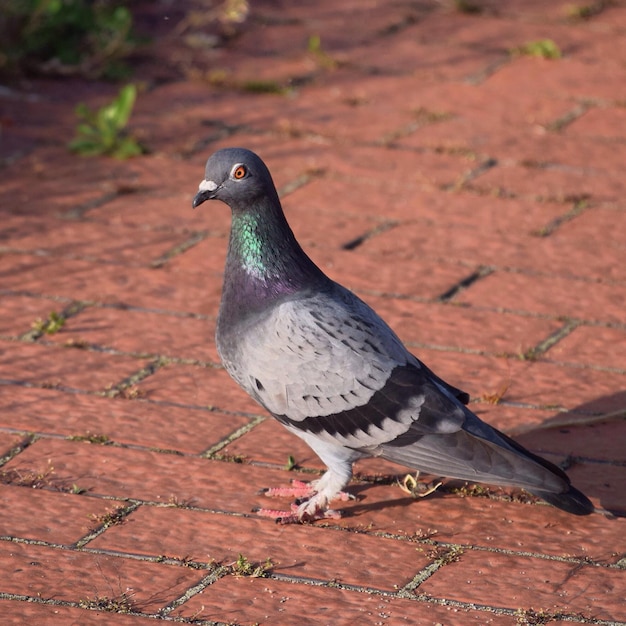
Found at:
[490, 457]
[572, 501]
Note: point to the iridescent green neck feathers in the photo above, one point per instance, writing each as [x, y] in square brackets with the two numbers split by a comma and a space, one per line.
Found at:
[251, 244]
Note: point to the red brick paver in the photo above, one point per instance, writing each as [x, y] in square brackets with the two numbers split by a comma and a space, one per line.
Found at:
[474, 196]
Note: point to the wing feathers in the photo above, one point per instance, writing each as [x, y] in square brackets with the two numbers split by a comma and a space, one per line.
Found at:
[463, 456]
[408, 403]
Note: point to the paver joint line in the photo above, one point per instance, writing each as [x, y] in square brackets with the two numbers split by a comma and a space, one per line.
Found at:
[465, 283]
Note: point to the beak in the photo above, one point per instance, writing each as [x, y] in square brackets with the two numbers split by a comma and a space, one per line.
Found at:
[200, 197]
[206, 191]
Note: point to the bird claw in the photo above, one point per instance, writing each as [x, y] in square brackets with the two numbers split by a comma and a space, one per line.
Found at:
[281, 517]
[296, 517]
[410, 485]
[302, 491]
[298, 489]
[308, 507]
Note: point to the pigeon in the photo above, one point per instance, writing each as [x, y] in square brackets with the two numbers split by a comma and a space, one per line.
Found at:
[327, 367]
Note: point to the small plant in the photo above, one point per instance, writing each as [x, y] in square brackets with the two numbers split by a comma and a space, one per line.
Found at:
[44, 479]
[188, 561]
[445, 555]
[28, 478]
[467, 6]
[221, 78]
[472, 490]
[584, 11]
[243, 567]
[264, 87]
[51, 325]
[496, 397]
[530, 617]
[79, 344]
[544, 48]
[119, 604]
[126, 390]
[65, 37]
[131, 392]
[102, 440]
[426, 116]
[111, 518]
[234, 11]
[229, 14]
[424, 534]
[173, 501]
[322, 58]
[291, 463]
[229, 458]
[102, 132]
[532, 354]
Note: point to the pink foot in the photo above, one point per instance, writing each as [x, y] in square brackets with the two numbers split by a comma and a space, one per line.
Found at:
[295, 517]
[300, 489]
[305, 508]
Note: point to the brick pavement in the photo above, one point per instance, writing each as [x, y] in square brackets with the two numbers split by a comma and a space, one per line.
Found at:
[474, 197]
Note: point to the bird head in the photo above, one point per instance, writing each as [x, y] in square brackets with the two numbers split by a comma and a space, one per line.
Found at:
[236, 176]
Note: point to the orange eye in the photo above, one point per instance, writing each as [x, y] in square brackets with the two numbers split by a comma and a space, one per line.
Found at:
[239, 172]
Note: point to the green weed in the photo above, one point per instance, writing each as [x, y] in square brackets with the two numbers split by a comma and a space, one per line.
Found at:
[102, 132]
[111, 518]
[65, 37]
[472, 490]
[221, 78]
[321, 57]
[584, 11]
[234, 11]
[243, 567]
[51, 325]
[102, 440]
[544, 48]
[291, 463]
[264, 87]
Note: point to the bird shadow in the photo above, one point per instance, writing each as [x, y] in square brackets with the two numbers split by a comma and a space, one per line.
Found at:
[362, 506]
[589, 443]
